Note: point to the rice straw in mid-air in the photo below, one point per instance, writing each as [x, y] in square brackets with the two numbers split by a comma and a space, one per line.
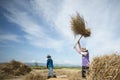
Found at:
[78, 26]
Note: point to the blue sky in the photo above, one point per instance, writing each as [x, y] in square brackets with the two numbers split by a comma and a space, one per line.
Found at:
[31, 29]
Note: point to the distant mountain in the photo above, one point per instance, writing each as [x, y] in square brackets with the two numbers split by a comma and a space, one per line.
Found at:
[44, 64]
[67, 65]
[35, 64]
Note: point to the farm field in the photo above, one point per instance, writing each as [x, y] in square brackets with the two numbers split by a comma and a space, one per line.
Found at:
[62, 74]
[105, 67]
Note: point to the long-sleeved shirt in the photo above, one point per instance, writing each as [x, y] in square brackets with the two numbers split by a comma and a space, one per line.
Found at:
[50, 63]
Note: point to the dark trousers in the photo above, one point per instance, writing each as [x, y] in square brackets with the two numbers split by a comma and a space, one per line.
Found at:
[84, 70]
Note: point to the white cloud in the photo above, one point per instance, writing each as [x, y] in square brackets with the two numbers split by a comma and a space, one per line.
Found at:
[48, 9]
[44, 7]
[9, 37]
[45, 42]
[103, 39]
[63, 20]
[57, 15]
[26, 23]
[35, 33]
[101, 16]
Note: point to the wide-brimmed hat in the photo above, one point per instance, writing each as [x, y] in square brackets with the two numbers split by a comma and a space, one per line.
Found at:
[84, 49]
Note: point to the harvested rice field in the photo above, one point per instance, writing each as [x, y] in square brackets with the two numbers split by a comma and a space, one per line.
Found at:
[62, 74]
[105, 67]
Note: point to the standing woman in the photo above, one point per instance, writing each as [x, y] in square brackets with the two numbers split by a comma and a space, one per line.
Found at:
[85, 58]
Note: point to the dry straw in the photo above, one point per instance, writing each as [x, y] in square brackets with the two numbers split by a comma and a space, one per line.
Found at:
[13, 68]
[105, 68]
[78, 26]
[35, 76]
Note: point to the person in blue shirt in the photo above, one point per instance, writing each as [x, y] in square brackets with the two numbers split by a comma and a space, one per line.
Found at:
[50, 67]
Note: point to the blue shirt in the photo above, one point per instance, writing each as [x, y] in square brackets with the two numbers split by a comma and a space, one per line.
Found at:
[50, 63]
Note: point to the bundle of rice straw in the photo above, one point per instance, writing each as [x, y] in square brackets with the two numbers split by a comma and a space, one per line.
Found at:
[78, 26]
[105, 68]
[14, 68]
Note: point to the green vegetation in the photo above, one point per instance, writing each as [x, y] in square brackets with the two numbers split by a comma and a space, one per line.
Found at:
[56, 67]
[71, 67]
[38, 67]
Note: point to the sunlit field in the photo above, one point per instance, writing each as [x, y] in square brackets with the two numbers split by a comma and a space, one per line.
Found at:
[105, 67]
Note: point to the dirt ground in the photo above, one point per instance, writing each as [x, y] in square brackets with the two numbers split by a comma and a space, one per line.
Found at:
[57, 79]
[16, 78]
[22, 78]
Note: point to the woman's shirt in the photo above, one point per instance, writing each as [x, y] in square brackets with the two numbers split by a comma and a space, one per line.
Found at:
[85, 58]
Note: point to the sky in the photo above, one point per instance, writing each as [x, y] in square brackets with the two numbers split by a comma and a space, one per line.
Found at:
[32, 29]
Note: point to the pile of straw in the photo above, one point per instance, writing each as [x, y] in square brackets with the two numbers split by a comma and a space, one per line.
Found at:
[78, 26]
[14, 68]
[105, 68]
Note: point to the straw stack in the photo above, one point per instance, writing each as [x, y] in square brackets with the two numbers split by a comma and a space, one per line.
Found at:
[14, 68]
[105, 68]
[78, 26]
